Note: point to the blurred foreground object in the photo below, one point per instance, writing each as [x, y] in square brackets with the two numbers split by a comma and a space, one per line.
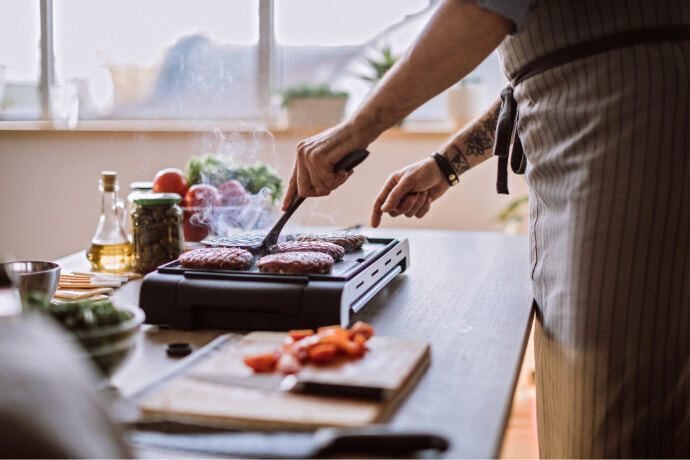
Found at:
[48, 402]
[10, 303]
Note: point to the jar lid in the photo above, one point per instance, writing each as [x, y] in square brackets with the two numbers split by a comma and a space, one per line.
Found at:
[157, 198]
[143, 186]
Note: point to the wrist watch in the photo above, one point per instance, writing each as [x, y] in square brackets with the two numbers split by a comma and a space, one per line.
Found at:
[446, 169]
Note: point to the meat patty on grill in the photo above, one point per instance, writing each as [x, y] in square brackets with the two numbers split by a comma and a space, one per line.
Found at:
[223, 258]
[333, 250]
[349, 241]
[296, 263]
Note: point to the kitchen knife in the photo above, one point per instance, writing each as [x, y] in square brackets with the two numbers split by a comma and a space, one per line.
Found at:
[292, 383]
[371, 440]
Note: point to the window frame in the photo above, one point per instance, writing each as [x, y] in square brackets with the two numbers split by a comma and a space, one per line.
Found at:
[265, 50]
[267, 72]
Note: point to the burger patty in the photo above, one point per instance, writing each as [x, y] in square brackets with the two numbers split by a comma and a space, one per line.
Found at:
[296, 263]
[224, 258]
[349, 241]
[333, 250]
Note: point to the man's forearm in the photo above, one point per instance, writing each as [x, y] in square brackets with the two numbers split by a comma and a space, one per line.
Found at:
[457, 38]
[474, 143]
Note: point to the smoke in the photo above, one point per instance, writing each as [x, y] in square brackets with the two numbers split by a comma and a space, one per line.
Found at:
[235, 210]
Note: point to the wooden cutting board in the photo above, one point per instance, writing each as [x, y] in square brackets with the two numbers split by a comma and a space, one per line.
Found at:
[391, 363]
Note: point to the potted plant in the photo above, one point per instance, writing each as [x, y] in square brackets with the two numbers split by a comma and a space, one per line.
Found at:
[380, 65]
[514, 216]
[313, 106]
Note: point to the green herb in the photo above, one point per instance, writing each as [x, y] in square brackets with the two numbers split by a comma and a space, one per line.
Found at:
[85, 314]
[254, 178]
[207, 169]
[381, 64]
[309, 91]
[510, 213]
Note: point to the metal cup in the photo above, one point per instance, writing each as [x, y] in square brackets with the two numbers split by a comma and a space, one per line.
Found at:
[34, 276]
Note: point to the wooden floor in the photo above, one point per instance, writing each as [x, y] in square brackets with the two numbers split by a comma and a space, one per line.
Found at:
[521, 435]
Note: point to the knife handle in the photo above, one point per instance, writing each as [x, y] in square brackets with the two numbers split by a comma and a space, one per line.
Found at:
[341, 391]
[376, 439]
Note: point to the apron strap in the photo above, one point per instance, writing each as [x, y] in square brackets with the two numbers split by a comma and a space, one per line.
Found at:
[506, 127]
[504, 134]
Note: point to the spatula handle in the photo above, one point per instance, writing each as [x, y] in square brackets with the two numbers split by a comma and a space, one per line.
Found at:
[346, 164]
[351, 160]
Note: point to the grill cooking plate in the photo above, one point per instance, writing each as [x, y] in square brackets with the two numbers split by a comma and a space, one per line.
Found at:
[251, 300]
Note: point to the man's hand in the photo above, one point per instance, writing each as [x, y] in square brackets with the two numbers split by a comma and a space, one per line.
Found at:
[316, 156]
[410, 191]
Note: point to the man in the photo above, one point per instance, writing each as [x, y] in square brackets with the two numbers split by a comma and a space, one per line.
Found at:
[601, 92]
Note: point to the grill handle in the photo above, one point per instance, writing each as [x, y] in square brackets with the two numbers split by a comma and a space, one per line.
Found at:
[358, 304]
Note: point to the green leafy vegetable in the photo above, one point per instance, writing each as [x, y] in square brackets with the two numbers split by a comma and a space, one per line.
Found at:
[85, 314]
[254, 178]
[207, 169]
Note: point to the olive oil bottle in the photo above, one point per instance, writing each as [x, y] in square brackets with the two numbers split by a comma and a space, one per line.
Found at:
[110, 249]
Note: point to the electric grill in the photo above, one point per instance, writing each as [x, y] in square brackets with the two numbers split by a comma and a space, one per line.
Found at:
[186, 298]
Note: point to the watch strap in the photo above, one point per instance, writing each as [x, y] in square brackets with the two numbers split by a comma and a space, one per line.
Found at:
[446, 169]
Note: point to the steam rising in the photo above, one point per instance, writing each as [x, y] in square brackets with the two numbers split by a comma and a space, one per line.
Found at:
[248, 213]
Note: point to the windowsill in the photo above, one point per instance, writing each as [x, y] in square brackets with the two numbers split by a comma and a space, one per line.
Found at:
[200, 126]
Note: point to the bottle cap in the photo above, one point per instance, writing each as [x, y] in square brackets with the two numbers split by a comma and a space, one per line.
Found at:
[141, 186]
[157, 198]
[109, 179]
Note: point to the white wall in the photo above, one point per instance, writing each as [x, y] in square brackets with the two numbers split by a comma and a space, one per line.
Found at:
[49, 183]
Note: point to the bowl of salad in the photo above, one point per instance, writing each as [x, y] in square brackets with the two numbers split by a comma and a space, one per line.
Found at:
[219, 199]
[107, 334]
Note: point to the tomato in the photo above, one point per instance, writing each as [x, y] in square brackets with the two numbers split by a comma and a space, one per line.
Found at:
[262, 363]
[355, 349]
[299, 334]
[232, 193]
[170, 180]
[363, 328]
[288, 364]
[202, 195]
[193, 230]
[322, 353]
[338, 337]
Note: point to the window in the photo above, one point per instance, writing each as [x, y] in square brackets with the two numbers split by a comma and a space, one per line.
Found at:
[158, 59]
[195, 60]
[20, 60]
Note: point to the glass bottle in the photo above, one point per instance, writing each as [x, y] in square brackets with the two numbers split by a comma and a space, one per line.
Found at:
[110, 250]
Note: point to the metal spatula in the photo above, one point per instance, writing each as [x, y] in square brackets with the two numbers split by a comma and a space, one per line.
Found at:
[256, 244]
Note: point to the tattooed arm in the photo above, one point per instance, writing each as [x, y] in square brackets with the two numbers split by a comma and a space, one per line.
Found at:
[459, 35]
[411, 190]
[474, 143]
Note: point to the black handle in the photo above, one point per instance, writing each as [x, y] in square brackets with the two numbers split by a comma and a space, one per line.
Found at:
[347, 163]
[376, 440]
[351, 160]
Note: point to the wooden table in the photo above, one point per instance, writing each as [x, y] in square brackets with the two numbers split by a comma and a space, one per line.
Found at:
[468, 294]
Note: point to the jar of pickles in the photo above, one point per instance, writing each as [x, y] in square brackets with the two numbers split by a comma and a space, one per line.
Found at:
[135, 189]
[156, 230]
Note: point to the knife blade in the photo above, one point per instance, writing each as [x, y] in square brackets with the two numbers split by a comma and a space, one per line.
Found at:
[294, 384]
[374, 439]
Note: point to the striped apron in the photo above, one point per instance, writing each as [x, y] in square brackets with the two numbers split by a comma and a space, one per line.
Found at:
[607, 140]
